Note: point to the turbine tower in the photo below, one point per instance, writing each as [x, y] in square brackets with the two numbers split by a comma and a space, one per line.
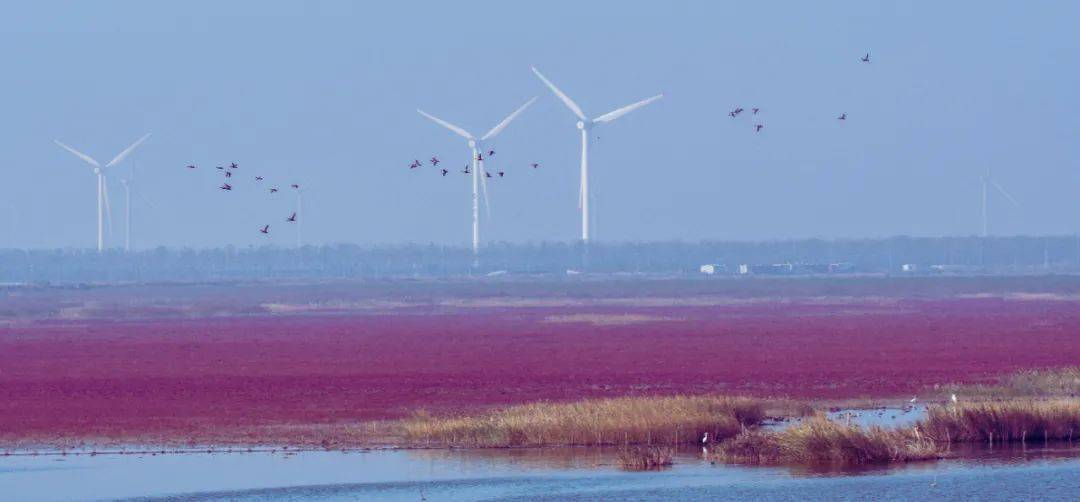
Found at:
[102, 185]
[987, 181]
[585, 125]
[478, 174]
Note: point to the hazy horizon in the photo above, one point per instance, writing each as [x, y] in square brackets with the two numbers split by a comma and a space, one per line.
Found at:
[324, 94]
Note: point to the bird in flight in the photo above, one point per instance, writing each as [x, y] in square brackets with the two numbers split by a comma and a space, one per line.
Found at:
[225, 186]
[265, 229]
[415, 164]
[220, 167]
[295, 186]
[273, 190]
[444, 171]
[191, 166]
[228, 174]
[233, 165]
[466, 171]
[866, 58]
[535, 165]
[758, 128]
[434, 161]
[487, 175]
[731, 114]
[291, 218]
[755, 110]
[843, 116]
[501, 174]
[491, 153]
[258, 178]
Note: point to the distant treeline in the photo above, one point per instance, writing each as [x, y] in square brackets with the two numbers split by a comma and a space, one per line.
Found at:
[973, 254]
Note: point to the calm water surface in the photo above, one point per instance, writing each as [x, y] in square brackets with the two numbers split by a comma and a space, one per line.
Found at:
[1032, 473]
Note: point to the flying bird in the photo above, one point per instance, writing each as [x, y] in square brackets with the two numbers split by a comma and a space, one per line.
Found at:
[434, 161]
[220, 167]
[843, 116]
[225, 186]
[491, 153]
[758, 127]
[258, 178]
[535, 165]
[755, 110]
[295, 186]
[444, 171]
[265, 229]
[233, 165]
[228, 174]
[191, 166]
[466, 171]
[488, 175]
[291, 218]
[866, 58]
[273, 190]
[501, 174]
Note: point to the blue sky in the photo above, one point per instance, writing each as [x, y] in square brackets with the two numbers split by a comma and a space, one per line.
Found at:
[324, 94]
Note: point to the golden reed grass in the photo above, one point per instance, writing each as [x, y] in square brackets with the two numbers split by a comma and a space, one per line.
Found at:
[823, 441]
[645, 458]
[617, 421]
[1005, 421]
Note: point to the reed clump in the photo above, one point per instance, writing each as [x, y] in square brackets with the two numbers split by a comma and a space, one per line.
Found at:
[616, 421]
[1036, 383]
[823, 441]
[1005, 421]
[645, 458]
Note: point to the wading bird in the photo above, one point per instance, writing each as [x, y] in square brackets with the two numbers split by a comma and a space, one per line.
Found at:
[953, 398]
[913, 399]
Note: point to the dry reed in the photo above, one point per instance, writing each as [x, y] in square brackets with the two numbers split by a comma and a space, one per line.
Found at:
[645, 458]
[823, 441]
[616, 421]
[1004, 421]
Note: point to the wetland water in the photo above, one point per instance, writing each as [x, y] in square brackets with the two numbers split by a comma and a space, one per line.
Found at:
[1013, 473]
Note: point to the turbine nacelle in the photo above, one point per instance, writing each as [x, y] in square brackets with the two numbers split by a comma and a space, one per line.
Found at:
[581, 124]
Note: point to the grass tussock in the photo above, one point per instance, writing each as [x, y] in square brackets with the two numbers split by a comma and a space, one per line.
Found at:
[645, 458]
[1038, 383]
[1005, 421]
[823, 441]
[618, 421]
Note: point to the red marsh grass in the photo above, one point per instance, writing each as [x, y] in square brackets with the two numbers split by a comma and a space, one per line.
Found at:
[823, 441]
[617, 421]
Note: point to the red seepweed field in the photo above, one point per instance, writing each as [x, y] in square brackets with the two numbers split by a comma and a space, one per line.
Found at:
[115, 366]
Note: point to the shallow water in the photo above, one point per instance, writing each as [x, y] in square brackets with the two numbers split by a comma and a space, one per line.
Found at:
[1045, 473]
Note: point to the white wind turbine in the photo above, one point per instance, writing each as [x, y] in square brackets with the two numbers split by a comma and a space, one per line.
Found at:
[478, 173]
[102, 188]
[987, 181]
[585, 125]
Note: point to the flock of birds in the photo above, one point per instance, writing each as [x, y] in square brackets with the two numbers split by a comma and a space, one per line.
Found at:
[479, 157]
[759, 126]
[227, 186]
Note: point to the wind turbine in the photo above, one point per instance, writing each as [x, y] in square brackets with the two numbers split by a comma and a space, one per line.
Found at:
[585, 125]
[987, 181]
[102, 189]
[478, 173]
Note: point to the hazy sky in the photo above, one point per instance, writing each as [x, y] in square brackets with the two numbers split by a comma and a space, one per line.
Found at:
[324, 94]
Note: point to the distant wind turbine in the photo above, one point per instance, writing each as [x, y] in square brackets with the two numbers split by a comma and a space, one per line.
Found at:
[585, 125]
[478, 174]
[987, 181]
[102, 188]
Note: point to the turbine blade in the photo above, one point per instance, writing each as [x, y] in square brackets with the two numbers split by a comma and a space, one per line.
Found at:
[88, 159]
[1003, 192]
[119, 157]
[483, 184]
[565, 99]
[459, 131]
[506, 121]
[105, 196]
[608, 117]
